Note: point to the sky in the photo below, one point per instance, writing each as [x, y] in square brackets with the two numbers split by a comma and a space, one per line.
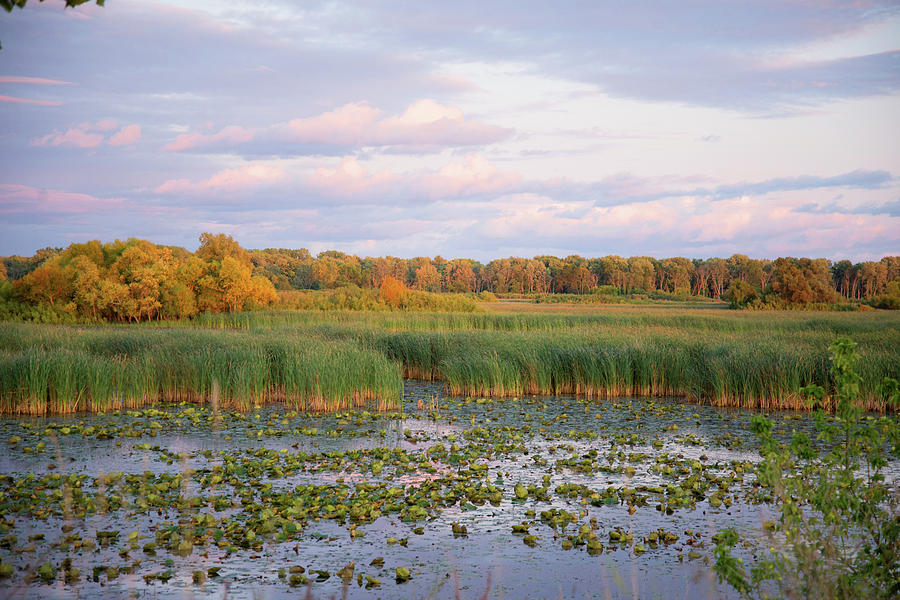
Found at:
[481, 130]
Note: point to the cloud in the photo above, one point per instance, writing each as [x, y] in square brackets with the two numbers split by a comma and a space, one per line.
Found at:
[91, 135]
[892, 209]
[231, 135]
[474, 176]
[32, 80]
[241, 178]
[626, 188]
[425, 124]
[15, 100]
[104, 125]
[127, 135]
[766, 56]
[23, 199]
[350, 178]
[860, 179]
[677, 226]
[75, 137]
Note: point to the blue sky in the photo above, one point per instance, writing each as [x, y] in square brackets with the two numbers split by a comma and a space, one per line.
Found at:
[482, 130]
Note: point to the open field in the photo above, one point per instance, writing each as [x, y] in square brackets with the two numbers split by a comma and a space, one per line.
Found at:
[335, 360]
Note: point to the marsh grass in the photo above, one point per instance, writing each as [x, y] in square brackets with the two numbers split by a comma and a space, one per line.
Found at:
[318, 360]
[62, 370]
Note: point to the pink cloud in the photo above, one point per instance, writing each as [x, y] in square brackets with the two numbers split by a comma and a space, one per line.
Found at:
[127, 135]
[79, 138]
[475, 175]
[345, 126]
[30, 101]
[350, 178]
[667, 226]
[232, 134]
[91, 135]
[23, 199]
[424, 124]
[34, 80]
[103, 125]
[229, 180]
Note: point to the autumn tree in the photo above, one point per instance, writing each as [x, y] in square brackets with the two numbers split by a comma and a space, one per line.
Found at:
[142, 267]
[427, 278]
[234, 281]
[802, 280]
[219, 246]
[614, 271]
[393, 292]
[639, 273]
[325, 272]
[575, 278]
[842, 274]
[387, 266]
[48, 283]
[892, 267]
[459, 276]
[701, 277]
[718, 276]
[676, 275]
[873, 276]
[86, 284]
[262, 293]
[553, 265]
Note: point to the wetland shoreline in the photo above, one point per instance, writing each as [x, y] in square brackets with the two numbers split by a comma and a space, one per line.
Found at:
[337, 361]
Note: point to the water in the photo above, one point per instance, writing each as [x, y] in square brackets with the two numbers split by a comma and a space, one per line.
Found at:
[595, 444]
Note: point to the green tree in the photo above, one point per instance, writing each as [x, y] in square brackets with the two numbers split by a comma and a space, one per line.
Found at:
[739, 293]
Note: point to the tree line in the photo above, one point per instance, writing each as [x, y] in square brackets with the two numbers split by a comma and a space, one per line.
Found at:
[137, 280]
[739, 278]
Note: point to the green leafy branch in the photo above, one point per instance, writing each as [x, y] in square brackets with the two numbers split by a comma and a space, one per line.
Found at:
[839, 520]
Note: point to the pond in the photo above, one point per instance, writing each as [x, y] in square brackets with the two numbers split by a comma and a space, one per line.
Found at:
[533, 497]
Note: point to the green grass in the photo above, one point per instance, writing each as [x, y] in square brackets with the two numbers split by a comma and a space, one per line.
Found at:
[331, 360]
[47, 369]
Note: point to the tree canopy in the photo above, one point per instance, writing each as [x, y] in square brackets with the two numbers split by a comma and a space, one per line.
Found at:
[137, 280]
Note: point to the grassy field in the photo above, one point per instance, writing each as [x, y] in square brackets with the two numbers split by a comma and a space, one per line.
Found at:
[332, 360]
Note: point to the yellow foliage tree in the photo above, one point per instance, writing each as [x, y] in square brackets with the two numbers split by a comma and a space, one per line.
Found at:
[48, 283]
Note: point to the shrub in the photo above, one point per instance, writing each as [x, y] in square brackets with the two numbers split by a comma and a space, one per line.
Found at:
[839, 525]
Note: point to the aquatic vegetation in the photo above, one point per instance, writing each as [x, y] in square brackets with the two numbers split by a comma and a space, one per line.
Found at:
[279, 498]
[48, 371]
[338, 360]
[744, 359]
